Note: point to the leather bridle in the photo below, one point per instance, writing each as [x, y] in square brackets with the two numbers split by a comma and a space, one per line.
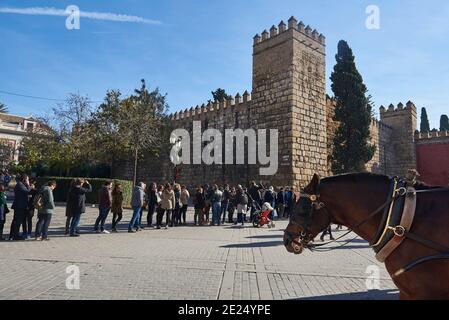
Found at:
[306, 237]
[316, 205]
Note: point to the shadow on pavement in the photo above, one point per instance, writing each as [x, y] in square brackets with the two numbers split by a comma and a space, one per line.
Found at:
[255, 244]
[369, 295]
[274, 236]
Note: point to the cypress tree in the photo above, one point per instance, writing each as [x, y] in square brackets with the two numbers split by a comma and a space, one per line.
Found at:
[425, 125]
[444, 123]
[352, 149]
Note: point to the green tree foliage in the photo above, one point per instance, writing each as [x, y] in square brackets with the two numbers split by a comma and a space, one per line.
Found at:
[444, 123]
[425, 125]
[79, 138]
[220, 95]
[353, 111]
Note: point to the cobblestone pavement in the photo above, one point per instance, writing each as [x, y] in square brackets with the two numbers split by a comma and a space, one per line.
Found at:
[186, 262]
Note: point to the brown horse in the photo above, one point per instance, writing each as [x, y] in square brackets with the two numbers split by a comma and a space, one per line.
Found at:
[351, 200]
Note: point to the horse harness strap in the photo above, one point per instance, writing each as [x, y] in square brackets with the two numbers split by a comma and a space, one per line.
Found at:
[397, 221]
[391, 217]
[401, 230]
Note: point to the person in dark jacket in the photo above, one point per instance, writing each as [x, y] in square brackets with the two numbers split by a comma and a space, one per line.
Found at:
[242, 204]
[176, 213]
[199, 204]
[152, 203]
[78, 203]
[104, 207]
[288, 202]
[208, 192]
[27, 224]
[20, 206]
[225, 203]
[68, 208]
[117, 206]
[280, 202]
[254, 192]
[3, 210]
[45, 213]
[232, 205]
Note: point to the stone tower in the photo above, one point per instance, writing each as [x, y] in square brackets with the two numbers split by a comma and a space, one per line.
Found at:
[403, 122]
[289, 95]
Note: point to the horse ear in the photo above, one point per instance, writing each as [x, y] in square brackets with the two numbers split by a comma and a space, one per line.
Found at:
[312, 188]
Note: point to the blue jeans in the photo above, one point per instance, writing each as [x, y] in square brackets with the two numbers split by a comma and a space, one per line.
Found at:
[224, 209]
[43, 223]
[134, 223]
[74, 224]
[103, 214]
[216, 212]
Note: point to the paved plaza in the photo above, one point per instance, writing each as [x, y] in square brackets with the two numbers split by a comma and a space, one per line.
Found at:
[226, 262]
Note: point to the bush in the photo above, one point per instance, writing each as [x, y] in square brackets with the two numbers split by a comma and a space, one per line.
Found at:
[63, 185]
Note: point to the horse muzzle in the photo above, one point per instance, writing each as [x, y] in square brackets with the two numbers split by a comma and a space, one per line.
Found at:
[293, 246]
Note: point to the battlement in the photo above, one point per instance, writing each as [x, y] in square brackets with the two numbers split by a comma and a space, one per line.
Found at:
[399, 109]
[379, 125]
[236, 101]
[282, 28]
[425, 136]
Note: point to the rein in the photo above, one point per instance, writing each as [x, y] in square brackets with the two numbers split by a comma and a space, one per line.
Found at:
[305, 237]
[313, 247]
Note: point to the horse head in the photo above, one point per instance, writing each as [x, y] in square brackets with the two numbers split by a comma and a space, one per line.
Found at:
[308, 218]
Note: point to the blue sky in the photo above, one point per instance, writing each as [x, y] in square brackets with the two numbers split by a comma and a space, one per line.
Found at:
[194, 47]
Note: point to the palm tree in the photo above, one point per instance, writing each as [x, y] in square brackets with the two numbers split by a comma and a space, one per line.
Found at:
[3, 108]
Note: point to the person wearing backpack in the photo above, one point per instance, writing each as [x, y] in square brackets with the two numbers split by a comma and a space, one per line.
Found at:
[45, 210]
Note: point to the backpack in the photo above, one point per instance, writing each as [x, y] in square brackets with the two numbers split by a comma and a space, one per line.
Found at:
[38, 201]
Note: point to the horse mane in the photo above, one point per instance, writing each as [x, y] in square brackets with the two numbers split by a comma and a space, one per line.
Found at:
[372, 177]
[358, 178]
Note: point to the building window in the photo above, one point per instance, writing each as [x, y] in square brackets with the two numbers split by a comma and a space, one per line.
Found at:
[30, 126]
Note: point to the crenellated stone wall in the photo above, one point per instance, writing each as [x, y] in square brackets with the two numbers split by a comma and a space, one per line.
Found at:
[288, 94]
[403, 121]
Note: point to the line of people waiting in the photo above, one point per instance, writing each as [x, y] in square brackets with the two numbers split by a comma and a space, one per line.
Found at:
[169, 201]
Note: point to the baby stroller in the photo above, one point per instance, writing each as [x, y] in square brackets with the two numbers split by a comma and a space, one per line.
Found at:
[261, 216]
